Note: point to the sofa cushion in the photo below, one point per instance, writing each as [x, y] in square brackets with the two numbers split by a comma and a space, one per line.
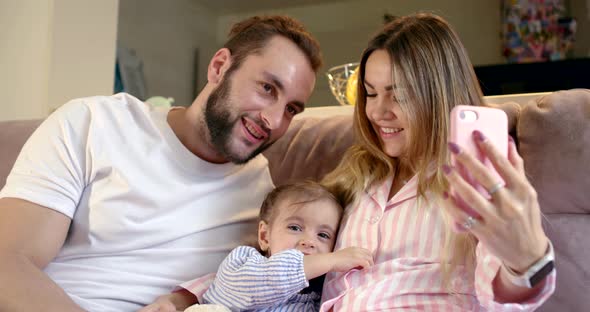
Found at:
[554, 141]
[13, 135]
[569, 234]
[311, 148]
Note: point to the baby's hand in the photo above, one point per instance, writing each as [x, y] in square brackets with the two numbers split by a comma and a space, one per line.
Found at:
[176, 301]
[341, 261]
[207, 308]
[352, 257]
[162, 304]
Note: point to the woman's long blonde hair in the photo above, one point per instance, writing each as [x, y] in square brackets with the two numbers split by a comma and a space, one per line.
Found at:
[432, 73]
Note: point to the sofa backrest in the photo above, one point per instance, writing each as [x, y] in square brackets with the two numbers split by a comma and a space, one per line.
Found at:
[13, 135]
[554, 141]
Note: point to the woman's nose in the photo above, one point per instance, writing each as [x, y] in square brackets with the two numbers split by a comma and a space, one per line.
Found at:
[384, 108]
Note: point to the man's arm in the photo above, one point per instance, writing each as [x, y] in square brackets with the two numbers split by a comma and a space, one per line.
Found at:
[30, 237]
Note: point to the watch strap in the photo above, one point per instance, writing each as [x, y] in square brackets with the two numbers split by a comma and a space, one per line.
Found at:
[536, 272]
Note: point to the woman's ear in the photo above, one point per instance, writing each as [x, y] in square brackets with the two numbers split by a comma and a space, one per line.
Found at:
[264, 236]
[218, 65]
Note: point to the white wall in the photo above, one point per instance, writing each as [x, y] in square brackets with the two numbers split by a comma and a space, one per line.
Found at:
[24, 58]
[82, 50]
[52, 51]
[343, 29]
[166, 35]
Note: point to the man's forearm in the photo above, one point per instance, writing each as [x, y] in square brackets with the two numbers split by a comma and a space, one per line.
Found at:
[24, 287]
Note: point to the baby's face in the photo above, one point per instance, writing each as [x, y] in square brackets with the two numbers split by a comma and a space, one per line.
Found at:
[310, 228]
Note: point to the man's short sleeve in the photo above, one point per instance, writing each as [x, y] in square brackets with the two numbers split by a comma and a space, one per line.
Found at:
[51, 169]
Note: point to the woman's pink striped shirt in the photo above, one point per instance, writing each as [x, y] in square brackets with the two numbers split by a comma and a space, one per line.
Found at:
[405, 237]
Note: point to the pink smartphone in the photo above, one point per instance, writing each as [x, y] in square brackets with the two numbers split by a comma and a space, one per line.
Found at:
[492, 122]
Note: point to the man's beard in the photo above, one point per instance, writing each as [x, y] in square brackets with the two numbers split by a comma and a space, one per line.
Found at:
[220, 123]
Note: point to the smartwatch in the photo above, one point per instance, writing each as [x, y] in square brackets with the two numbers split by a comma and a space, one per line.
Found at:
[536, 273]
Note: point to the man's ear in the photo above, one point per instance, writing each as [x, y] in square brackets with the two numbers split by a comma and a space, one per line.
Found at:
[218, 65]
[263, 236]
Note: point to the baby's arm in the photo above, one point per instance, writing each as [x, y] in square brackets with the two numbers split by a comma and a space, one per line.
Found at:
[340, 261]
[248, 280]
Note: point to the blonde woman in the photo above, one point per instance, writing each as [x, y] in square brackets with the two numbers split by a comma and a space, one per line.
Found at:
[432, 251]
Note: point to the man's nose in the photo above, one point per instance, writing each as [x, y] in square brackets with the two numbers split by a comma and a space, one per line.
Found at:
[272, 116]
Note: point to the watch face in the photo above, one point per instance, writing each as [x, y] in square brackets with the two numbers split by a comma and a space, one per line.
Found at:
[541, 274]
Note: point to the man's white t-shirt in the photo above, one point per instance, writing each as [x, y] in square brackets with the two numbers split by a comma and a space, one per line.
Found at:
[147, 214]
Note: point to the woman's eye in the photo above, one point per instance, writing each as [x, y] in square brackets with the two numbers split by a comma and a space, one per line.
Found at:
[294, 228]
[371, 95]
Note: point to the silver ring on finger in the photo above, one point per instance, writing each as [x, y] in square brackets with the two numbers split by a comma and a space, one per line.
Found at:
[469, 223]
[496, 187]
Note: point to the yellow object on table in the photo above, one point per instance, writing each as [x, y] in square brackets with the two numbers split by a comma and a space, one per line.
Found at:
[351, 87]
[342, 80]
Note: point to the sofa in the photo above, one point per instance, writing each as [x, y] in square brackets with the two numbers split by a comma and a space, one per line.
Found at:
[552, 131]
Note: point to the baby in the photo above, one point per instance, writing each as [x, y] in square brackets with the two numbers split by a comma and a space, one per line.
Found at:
[296, 234]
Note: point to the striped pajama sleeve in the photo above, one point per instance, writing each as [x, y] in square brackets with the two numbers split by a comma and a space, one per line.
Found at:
[248, 280]
[486, 269]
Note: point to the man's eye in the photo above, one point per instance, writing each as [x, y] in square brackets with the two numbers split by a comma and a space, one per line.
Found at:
[267, 88]
[291, 110]
[294, 228]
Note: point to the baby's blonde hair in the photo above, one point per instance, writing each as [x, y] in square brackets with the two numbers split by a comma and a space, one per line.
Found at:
[298, 194]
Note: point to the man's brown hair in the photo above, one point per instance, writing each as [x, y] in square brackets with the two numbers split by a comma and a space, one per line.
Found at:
[251, 35]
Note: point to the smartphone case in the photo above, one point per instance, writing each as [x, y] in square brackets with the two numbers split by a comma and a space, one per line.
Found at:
[492, 122]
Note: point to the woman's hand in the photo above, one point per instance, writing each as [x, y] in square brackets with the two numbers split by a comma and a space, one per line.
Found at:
[509, 223]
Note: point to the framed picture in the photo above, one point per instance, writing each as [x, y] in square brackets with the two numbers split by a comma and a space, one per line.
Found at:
[536, 30]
